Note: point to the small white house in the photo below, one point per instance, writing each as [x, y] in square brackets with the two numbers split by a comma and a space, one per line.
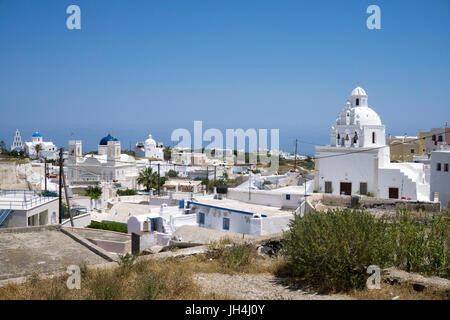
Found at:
[164, 219]
[240, 217]
[150, 149]
[24, 208]
[440, 176]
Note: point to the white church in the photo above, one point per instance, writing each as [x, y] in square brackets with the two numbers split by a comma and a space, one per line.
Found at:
[48, 149]
[109, 165]
[149, 149]
[357, 161]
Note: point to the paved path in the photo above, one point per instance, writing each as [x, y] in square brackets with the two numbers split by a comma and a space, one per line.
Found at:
[257, 287]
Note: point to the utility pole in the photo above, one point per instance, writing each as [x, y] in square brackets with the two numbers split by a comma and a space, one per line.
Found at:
[159, 183]
[249, 182]
[67, 200]
[295, 161]
[45, 174]
[60, 184]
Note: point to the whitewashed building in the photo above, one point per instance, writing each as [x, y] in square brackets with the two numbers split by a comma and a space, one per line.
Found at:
[109, 165]
[240, 217]
[17, 144]
[357, 161]
[48, 149]
[27, 208]
[440, 176]
[150, 149]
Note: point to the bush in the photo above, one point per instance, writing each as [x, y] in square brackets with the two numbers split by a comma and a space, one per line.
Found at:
[127, 192]
[332, 250]
[172, 173]
[126, 261]
[112, 226]
[233, 256]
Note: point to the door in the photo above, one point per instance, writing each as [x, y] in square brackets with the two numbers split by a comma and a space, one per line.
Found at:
[346, 188]
[393, 193]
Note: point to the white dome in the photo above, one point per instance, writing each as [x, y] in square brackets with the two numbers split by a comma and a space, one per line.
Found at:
[358, 91]
[366, 116]
[150, 141]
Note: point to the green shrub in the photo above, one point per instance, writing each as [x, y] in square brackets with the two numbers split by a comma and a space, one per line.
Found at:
[112, 226]
[127, 192]
[126, 261]
[332, 250]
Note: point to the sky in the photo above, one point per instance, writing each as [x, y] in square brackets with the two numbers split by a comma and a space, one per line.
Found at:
[151, 66]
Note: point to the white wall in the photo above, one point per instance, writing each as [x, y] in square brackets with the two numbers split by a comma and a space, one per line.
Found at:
[440, 180]
[266, 198]
[80, 221]
[353, 167]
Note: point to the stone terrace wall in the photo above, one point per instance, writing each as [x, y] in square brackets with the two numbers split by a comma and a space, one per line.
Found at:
[369, 203]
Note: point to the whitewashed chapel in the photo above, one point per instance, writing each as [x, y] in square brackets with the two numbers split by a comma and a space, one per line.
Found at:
[357, 161]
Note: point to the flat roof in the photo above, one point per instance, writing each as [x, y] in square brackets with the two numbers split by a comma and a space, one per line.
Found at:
[40, 251]
[242, 207]
[22, 199]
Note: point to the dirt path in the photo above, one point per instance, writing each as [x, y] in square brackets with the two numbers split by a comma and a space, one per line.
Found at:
[257, 287]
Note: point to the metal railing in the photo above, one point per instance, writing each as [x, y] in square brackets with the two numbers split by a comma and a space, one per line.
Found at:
[21, 199]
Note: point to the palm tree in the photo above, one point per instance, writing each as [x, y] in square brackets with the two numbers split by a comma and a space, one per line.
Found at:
[148, 179]
[38, 149]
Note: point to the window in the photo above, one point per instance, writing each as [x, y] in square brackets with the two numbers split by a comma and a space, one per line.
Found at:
[357, 102]
[226, 223]
[440, 138]
[201, 218]
[288, 197]
[438, 166]
[412, 150]
[446, 167]
[433, 137]
[328, 188]
[363, 188]
[373, 137]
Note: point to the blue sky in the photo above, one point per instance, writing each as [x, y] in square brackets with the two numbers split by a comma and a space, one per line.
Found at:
[151, 66]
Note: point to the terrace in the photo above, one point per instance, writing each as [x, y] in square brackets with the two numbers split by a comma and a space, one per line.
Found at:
[22, 199]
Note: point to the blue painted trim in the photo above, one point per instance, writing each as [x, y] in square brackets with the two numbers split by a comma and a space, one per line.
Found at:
[220, 208]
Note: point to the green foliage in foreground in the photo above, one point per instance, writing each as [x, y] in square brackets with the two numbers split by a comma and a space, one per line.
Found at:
[332, 250]
[127, 192]
[112, 226]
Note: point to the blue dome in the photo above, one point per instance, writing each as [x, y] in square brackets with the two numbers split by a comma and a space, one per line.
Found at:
[36, 135]
[105, 140]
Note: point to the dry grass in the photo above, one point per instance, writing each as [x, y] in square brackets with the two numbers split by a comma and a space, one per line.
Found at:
[399, 292]
[168, 280]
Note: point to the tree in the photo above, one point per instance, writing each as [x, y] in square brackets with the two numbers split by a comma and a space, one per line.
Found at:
[167, 153]
[148, 179]
[93, 192]
[38, 149]
[172, 173]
